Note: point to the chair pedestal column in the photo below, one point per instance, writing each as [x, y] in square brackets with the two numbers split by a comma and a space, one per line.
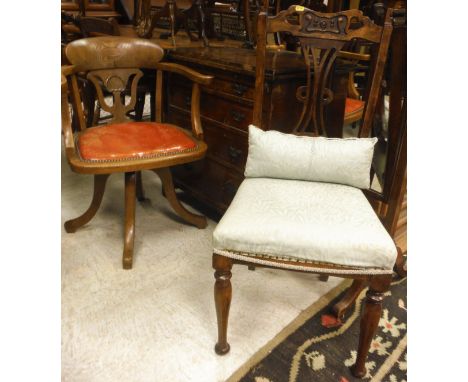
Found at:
[129, 233]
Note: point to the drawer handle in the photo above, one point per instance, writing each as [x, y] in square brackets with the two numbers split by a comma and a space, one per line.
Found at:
[234, 153]
[237, 116]
[239, 89]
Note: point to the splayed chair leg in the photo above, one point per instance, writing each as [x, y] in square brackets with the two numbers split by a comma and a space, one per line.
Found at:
[370, 321]
[99, 186]
[129, 233]
[222, 296]
[140, 192]
[340, 308]
[169, 191]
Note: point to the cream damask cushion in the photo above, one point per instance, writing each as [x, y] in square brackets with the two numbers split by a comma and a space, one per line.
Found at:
[285, 156]
[309, 221]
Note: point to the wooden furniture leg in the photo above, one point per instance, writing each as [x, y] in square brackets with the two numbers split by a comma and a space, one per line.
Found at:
[99, 186]
[129, 233]
[323, 278]
[400, 264]
[222, 296]
[201, 20]
[169, 191]
[340, 308]
[175, 16]
[247, 24]
[370, 321]
[140, 192]
[172, 7]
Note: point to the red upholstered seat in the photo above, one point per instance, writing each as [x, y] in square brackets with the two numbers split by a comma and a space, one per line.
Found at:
[133, 140]
[353, 105]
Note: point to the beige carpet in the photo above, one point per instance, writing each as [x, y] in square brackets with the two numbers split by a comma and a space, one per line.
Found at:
[157, 321]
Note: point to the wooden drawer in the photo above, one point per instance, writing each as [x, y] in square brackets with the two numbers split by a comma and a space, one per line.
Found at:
[227, 145]
[235, 86]
[213, 107]
[209, 181]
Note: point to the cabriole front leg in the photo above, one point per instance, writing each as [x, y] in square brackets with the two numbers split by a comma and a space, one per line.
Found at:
[99, 186]
[370, 321]
[222, 296]
[169, 192]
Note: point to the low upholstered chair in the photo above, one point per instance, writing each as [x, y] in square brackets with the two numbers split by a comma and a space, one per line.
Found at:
[301, 208]
[305, 204]
[125, 146]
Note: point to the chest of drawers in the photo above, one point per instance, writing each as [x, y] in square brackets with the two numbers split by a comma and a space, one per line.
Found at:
[226, 111]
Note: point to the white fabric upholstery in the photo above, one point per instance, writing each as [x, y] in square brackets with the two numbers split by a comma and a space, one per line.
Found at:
[273, 154]
[308, 221]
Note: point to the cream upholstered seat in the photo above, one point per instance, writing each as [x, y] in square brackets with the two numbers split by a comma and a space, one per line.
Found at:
[307, 222]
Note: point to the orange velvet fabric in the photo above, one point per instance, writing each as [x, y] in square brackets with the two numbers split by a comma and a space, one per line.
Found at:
[352, 105]
[132, 140]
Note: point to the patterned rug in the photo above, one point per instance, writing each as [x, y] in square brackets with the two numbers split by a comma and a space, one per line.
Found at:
[295, 356]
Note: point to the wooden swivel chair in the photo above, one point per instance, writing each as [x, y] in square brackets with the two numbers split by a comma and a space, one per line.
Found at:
[265, 209]
[125, 146]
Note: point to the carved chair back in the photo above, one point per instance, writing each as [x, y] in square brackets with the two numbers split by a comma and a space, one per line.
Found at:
[111, 64]
[321, 37]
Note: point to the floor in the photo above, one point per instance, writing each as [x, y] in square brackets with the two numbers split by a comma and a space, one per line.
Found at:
[157, 321]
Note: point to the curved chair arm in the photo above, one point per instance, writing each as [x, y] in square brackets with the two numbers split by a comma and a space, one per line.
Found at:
[66, 120]
[197, 78]
[184, 71]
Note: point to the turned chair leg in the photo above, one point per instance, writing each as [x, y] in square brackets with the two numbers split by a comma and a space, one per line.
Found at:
[323, 278]
[400, 264]
[99, 186]
[169, 191]
[129, 233]
[370, 321]
[222, 297]
[340, 308]
[140, 192]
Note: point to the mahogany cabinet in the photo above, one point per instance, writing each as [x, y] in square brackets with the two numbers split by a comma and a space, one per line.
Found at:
[226, 111]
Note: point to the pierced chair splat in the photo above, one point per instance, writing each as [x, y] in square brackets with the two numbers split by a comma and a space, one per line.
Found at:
[122, 145]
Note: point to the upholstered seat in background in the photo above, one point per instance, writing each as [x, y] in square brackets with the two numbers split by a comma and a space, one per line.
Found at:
[354, 105]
